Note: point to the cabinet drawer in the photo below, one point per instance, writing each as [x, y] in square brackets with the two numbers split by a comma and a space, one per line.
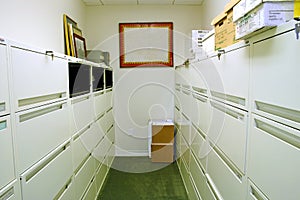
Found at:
[111, 133]
[109, 99]
[186, 99]
[81, 113]
[184, 127]
[275, 88]
[204, 111]
[102, 149]
[67, 191]
[7, 167]
[39, 131]
[111, 155]
[11, 191]
[226, 182]
[98, 104]
[110, 120]
[197, 175]
[232, 68]
[79, 150]
[45, 179]
[4, 94]
[200, 147]
[183, 145]
[91, 137]
[192, 191]
[253, 193]
[274, 158]
[83, 177]
[177, 101]
[229, 133]
[100, 176]
[91, 191]
[33, 75]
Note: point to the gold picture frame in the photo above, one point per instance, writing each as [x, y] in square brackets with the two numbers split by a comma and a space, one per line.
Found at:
[69, 26]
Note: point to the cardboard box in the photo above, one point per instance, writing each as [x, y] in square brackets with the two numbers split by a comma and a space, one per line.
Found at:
[162, 153]
[239, 10]
[251, 4]
[224, 27]
[263, 17]
[162, 144]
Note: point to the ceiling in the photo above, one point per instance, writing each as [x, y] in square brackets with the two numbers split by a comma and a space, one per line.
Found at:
[141, 2]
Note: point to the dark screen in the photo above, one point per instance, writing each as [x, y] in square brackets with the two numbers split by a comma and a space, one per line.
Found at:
[108, 78]
[79, 79]
[98, 80]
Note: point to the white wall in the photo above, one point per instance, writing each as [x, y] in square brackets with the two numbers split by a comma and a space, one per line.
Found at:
[140, 93]
[39, 23]
[210, 9]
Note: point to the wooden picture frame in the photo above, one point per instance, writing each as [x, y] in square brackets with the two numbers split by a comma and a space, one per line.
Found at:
[148, 44]
[67, 34]
[79, 46]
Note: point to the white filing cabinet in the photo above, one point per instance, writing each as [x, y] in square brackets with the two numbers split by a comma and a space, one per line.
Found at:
[4, 94]
[274, 158]
[233, 67]
[45, 179]
[39, 131]
[275, 77]
[228, 131]
[11, 191]
[81, 112]
[224, 179]
[33, 75]
[7, 168]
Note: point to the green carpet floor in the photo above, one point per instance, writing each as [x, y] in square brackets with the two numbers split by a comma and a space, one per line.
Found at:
[123, 183]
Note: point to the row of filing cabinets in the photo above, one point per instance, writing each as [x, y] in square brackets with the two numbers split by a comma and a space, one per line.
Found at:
[241, 140]
[54, 146]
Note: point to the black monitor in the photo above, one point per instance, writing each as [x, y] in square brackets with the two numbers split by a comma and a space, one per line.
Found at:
[108, 78]
[98, 78]
[79, 79]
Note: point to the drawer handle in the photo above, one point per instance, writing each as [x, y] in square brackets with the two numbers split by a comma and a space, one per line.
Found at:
[228, 162]
[213, 187]
[285, 136]
[81, 132]
[82, 163]
[109, 109]
[39, 99]
[63, 189]
[31, 115]
[99, 93]
[200, 90]
[31, 173]
[228, 111]
[200, 98]
[3, 125]
[100, 116]
[9, 193]
[109, 128]
[290, 114]
[231, 98]
[77, 100]
[187, 92]
[2, 107]
[185, 117]
[257, 194]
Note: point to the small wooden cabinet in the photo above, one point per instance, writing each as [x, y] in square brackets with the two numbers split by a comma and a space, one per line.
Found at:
[162, 141]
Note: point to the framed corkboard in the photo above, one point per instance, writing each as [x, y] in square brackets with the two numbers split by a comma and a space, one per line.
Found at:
[147, 44]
